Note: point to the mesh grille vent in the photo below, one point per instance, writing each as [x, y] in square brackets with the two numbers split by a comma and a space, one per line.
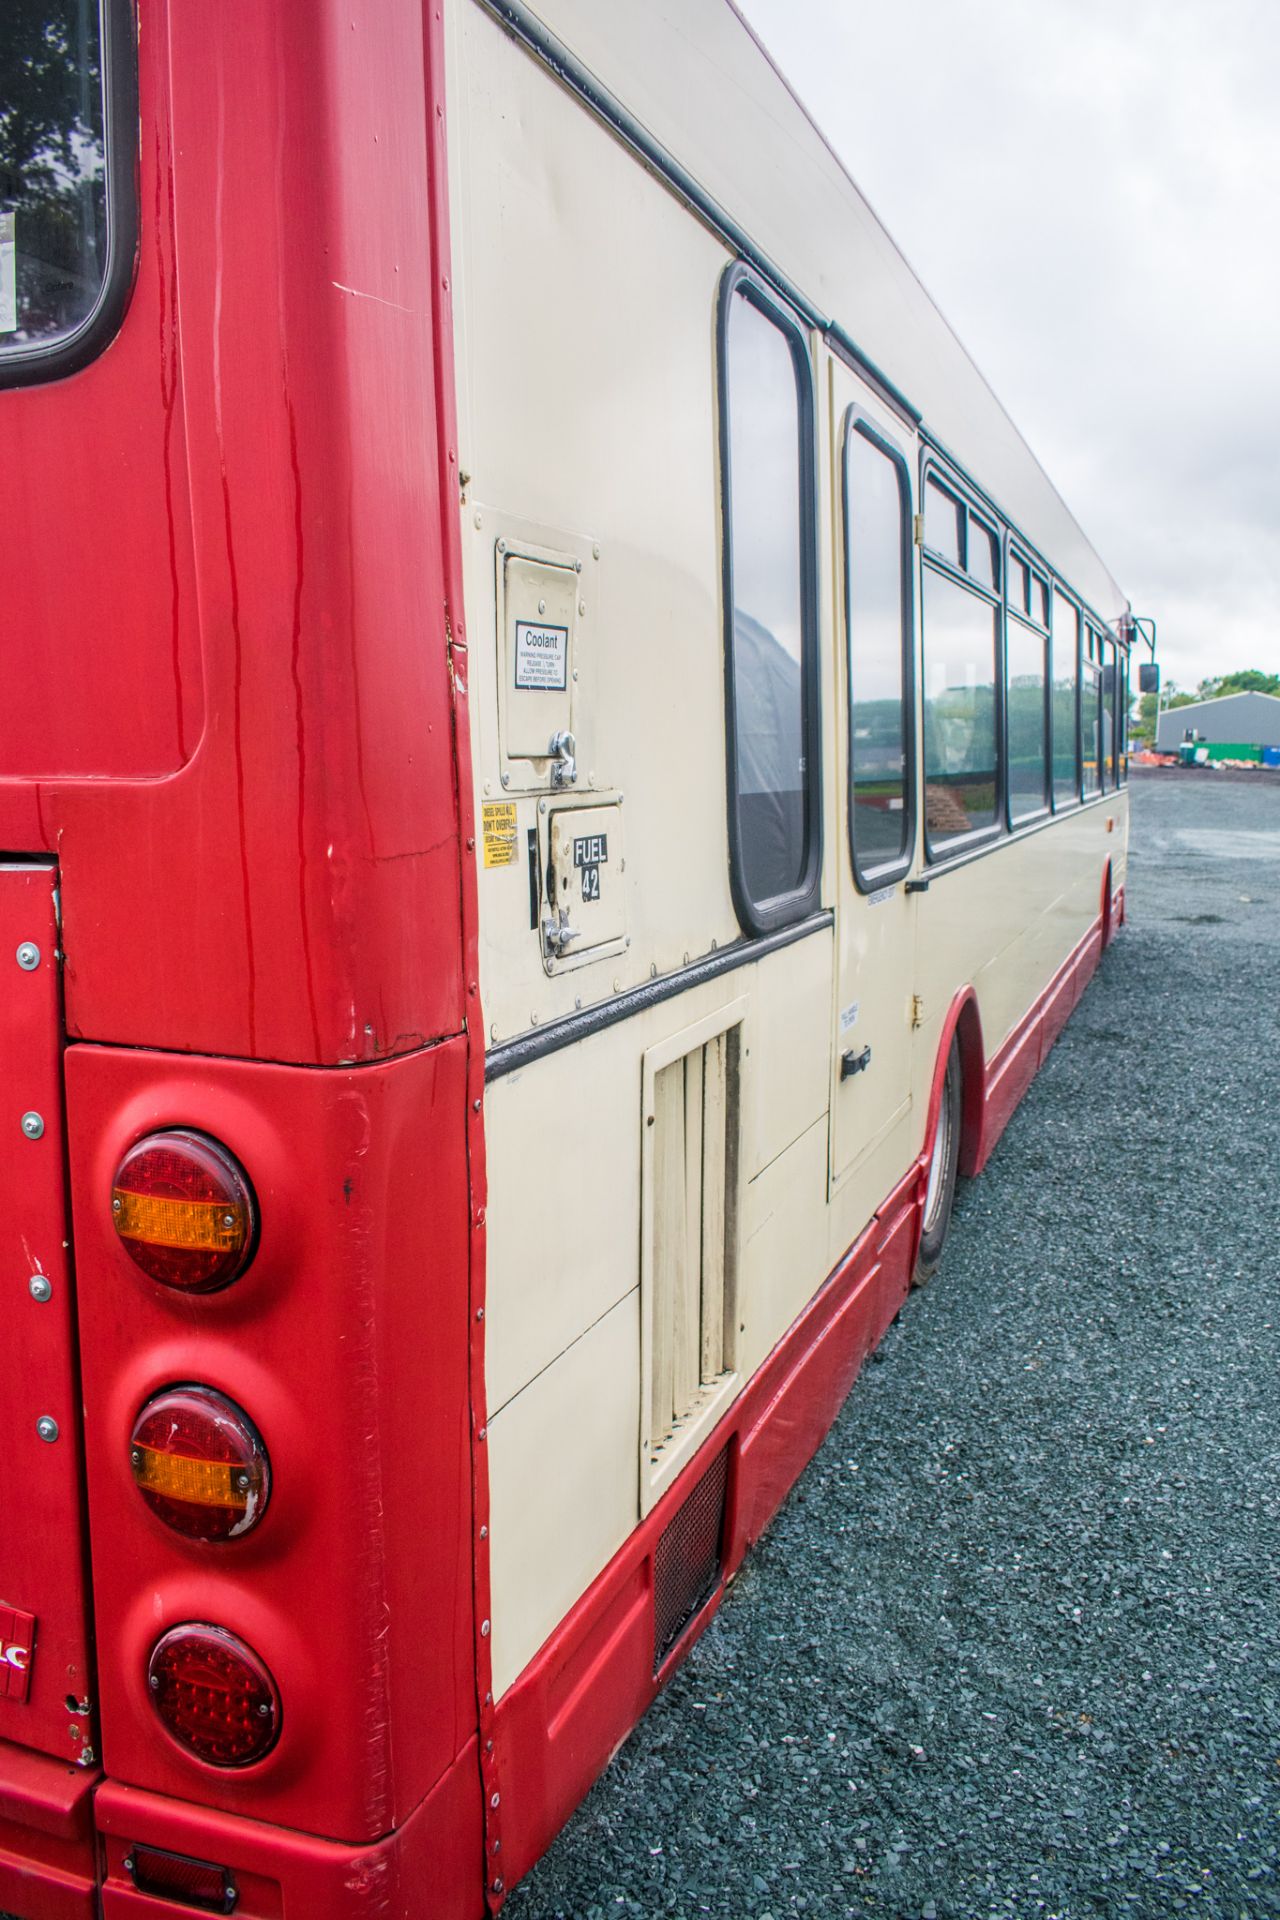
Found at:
[686, 1565]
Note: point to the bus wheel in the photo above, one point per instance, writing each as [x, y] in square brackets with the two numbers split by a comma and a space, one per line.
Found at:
[943, 1161]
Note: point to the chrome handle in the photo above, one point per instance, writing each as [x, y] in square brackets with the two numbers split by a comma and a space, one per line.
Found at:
[563, 751]
[556, 932]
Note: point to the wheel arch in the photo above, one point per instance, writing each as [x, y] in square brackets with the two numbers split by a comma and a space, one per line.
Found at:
[963, 1024]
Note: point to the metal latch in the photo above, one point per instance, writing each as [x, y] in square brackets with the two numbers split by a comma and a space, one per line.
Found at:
[564, 762]
[556, 932]
[851, 1063]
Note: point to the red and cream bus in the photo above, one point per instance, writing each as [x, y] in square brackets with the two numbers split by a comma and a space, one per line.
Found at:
[562, 767]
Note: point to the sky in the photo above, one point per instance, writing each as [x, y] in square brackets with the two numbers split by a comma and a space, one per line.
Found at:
[1091, 193]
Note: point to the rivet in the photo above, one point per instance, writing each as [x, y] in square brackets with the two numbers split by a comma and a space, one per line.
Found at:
[32, 1125]
[502, 546]
[506, 779]
[47, 1428]
[488, 1746]
[497, 1885]
[495, 1800]
[577, 566]
[28, 956]
[542, 606]
[595, 553]
[582, 608]
[542, 806]
[484, 1533]
[481, 1434]
[484, 1635]
[479, 519]
[476, 1105]
[488, 1700]
[40, 1287]
[479, 1313]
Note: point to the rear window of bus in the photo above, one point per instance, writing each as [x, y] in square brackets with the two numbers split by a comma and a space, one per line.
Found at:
[65, 190]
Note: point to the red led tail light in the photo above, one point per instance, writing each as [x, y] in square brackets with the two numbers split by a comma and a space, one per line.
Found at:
[184, 1211]
[214, 1695]
[199, 1463]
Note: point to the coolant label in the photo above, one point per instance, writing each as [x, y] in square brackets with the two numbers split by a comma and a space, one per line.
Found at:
[542, 657]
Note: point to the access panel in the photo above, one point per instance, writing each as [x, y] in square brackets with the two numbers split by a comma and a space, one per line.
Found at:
[45, 1686]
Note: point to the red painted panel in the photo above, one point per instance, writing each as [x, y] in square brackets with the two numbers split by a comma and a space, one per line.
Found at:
[249, 482]
[47, 1852]
[41, 1546]
[346, 1343]
[431, 1865]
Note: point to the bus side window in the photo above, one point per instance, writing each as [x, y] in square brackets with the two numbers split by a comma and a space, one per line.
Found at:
[767, 473]
[961, 618]
[877, 504]
[1065, 703]
[1091, 713]
[1026, 659]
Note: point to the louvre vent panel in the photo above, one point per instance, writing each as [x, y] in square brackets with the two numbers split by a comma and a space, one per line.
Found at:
[694, 1173]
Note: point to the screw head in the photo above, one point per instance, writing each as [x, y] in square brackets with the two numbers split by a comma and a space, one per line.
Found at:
[28, 956]
[32, 1125]
[506, 779]
[47, 1428]
[40, 1287]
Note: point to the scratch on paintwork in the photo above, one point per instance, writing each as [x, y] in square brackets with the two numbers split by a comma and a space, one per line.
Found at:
[413, 853]
[375, 297]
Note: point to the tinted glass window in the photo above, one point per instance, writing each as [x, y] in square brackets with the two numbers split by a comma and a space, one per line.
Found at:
[53, 173]
[1066, 641]
[1109, 713]
[879, 606]
[942, 517]
[765, 533]
[1122, 719]
[1090, 725]
[1039, 600]
[982, 553]
[1025, 662]
[959, 710]
[1017, 583]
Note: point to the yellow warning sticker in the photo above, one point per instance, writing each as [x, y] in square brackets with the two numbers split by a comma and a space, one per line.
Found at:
[499, 821]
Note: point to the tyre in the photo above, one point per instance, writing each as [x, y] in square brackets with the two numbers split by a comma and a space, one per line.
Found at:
[943, 1162]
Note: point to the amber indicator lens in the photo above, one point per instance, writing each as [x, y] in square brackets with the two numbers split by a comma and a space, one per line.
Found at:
[199, 1463]
[214, 1695]
[172, 1876]
[184, 1211]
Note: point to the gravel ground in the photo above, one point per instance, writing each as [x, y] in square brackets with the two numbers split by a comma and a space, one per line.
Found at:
[1013, 1644]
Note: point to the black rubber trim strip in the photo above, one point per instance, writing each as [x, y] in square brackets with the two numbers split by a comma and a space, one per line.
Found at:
[513, 1054]
[520, 22]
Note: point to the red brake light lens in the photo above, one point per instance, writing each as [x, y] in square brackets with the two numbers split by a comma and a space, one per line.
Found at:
[184, 1211]
[173, 1876]
[199, 1463]
[214, 1695]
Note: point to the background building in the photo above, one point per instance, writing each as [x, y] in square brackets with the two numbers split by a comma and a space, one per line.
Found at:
[1249, 720]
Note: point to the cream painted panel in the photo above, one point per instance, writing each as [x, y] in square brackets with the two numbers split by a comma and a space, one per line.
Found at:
[565, 1176]
[1005, 923]
[693, 75]
[563, 1485]
[585, 308]
[788, 1064]
[784, 1252]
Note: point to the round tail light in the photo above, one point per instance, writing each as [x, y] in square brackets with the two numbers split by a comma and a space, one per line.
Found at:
[184, 1211]
[199, 1463]
[214, 1695]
